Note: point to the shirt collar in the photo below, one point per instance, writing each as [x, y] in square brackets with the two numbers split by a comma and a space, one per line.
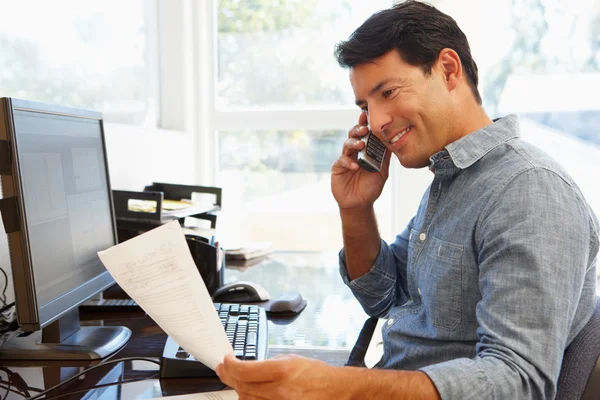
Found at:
[471, 148]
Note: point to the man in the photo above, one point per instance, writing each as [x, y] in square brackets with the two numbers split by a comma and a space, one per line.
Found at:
[493, 277]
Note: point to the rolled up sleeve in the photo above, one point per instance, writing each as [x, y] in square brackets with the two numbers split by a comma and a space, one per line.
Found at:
[375, 290]
[384, 286]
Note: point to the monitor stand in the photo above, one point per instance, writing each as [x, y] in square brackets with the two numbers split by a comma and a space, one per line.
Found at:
[65, 339]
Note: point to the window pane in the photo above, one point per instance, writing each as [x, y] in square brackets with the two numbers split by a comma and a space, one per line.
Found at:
[78, 54]
[276, 187]
[542, 61]
[281, 53]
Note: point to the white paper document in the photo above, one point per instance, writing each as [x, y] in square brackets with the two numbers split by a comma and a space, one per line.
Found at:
[157, 270]
[375, 349]
[220, 395]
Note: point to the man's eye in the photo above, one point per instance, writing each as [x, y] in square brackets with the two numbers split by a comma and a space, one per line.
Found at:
[365, 110]
[388, 93]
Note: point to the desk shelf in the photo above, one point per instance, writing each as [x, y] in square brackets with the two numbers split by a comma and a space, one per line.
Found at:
[132, 222]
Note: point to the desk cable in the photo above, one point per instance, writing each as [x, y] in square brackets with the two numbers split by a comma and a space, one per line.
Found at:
[23, 390]
[7, 307]
[100, 386]
[14, 379]
[3, 298]
[7, 312]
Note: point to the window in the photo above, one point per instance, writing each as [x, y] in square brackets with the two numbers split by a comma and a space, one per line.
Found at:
[282, 111]
[78, 54]
[281, 53]
[282, 105]
[541, 60]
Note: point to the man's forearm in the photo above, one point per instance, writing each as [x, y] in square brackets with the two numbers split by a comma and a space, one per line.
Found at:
[361, 240]
[362, 383]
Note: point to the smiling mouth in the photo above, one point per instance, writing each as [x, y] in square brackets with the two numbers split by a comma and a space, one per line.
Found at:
[398, 136]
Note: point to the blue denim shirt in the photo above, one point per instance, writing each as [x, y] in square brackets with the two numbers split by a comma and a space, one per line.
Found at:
[493, 277]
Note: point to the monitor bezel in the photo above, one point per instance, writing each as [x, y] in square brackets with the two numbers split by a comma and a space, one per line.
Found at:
[31, 315]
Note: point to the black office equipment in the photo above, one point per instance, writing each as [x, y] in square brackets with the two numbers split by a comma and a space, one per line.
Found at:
[246, 329]
[110, 306]
[240, 292]
[131, 220]
[287, 303]
[208, 259]
[58, 213]
[134, 218]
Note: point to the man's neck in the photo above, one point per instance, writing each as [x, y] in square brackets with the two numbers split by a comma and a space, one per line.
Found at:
[475, 119]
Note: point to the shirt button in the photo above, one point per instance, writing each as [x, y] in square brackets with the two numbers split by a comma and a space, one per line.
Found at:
[390, 321]
[422, 236]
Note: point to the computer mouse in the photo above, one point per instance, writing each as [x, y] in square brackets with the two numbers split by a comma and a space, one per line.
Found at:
[287, 302]
[240, 292]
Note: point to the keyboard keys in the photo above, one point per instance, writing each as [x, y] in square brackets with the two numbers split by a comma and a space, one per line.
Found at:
[251, 339]
[240, 323]
[246, 330]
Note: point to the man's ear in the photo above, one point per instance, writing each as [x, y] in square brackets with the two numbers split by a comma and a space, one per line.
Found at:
[450, 67]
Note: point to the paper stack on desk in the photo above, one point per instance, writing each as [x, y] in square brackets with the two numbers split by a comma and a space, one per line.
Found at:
[247, 251]
[156, 269]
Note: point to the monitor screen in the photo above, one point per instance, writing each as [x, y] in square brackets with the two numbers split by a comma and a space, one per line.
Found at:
[66, 201]
[56, 190]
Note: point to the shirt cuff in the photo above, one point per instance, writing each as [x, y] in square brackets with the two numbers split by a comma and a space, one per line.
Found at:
[374, 286]
[460, 378]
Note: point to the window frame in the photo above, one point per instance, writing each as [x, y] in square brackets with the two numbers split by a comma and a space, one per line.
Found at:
[211, 120]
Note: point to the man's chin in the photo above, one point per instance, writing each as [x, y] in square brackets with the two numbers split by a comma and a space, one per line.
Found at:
[409, 162]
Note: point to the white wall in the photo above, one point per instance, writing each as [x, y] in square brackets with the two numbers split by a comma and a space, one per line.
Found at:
[138, 156]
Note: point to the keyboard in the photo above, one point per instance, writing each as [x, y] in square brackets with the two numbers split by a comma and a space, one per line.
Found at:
[246, 329]
[110, 305]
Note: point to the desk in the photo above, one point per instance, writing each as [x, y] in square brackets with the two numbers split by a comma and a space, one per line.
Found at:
[327, 329]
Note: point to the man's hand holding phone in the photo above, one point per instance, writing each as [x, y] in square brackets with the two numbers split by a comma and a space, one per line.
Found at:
[351, 185]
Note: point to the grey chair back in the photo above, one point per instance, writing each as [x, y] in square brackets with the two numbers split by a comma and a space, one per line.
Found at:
[579, 377]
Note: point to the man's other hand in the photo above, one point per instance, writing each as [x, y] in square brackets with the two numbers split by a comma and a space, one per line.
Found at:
[283, 377]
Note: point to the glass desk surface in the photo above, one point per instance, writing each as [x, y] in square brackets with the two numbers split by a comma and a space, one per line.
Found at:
[332, 318]
[326, 330]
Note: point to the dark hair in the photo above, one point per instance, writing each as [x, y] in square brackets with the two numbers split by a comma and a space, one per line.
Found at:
[418, 31]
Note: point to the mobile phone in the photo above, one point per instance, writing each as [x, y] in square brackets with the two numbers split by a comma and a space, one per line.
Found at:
[371, 158]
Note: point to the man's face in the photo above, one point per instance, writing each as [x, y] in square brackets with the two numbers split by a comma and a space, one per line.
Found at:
[410, 112]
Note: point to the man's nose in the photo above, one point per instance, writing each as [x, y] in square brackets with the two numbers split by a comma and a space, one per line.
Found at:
[378, 119]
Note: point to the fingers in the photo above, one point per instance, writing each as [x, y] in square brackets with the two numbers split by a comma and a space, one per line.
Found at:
[352, 147]
[358, 131]
[251, 371]
[361, 128]
[362, 119]
[347, 160]
[259, 391]
[345, 163]
[248, 396]
[353, 144]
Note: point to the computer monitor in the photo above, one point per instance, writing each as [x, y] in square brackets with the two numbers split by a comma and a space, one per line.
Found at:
[58, 213]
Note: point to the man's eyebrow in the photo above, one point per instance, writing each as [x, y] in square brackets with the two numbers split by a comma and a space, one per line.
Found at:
[377, 87]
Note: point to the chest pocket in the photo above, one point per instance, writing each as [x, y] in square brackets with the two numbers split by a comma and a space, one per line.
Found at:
[440, 280]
